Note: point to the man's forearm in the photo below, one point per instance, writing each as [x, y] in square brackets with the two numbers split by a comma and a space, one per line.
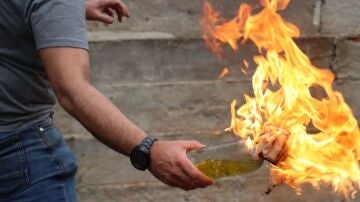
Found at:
[101, 117]
[68, 72]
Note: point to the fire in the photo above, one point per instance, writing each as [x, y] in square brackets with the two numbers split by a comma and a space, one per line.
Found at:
[224, 72]
[282, 100]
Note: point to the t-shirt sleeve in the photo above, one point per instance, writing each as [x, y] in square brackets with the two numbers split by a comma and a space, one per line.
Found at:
[57, 23]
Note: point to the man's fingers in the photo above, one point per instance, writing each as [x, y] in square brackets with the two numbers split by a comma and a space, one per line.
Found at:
[171, 165]
[109, 12]
[106, 18]
[190, 145]
[179, 179]
[175, 183]
[195, 174]
[172, 178]
[190, 173]
[120, 8]
[124, 8]
[120, 13]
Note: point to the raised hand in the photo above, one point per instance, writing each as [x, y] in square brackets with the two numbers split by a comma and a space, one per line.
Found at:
[104, 10]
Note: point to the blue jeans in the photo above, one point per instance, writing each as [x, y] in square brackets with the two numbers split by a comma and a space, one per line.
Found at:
[36, 165]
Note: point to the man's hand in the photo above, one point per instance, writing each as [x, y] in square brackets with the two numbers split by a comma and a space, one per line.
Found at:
[103, 10]
[170, 164]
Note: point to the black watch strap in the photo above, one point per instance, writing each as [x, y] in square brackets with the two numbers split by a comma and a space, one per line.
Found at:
[148, 142]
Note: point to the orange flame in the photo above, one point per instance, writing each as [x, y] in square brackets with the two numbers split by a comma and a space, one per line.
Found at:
[282, 99]
[249, 144]
[224, 72]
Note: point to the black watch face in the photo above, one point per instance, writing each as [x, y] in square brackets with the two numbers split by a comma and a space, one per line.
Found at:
[139, 159]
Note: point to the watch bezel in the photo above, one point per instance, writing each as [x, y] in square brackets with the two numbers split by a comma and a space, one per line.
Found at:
[137, 161]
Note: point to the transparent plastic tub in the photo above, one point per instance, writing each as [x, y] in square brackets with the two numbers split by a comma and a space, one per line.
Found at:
[227, 159]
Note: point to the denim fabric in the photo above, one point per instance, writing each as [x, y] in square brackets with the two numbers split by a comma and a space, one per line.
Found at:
[36, 165]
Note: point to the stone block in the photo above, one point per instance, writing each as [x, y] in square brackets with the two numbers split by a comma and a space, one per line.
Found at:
[301, 13]
[340, 18]
[347, 64]
[351, 91]
[136, 61]
[152, 61]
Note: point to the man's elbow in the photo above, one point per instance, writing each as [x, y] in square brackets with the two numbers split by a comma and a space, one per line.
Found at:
[64, 98]
[69, 94]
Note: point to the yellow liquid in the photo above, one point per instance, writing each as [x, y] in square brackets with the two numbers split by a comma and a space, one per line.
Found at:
[224, 168]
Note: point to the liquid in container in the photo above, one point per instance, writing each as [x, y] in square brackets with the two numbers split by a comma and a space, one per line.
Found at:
[226, 159]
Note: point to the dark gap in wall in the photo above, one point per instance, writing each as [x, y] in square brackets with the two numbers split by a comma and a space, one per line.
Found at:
[333, 60]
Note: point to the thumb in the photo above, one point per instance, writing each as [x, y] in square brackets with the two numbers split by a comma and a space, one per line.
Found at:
[190, 145]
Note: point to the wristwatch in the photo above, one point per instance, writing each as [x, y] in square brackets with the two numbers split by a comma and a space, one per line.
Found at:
[140, 156]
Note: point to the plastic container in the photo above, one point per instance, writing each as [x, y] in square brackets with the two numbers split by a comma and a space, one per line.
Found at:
[227, 159]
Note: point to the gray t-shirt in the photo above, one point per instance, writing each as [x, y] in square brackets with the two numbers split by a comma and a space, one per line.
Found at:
[27, 26]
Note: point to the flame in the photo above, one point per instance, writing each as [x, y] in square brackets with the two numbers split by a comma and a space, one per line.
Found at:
[282, 99]
[249, 144]
[224, 72]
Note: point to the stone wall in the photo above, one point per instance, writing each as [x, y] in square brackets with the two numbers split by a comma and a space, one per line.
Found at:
[156, 69]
